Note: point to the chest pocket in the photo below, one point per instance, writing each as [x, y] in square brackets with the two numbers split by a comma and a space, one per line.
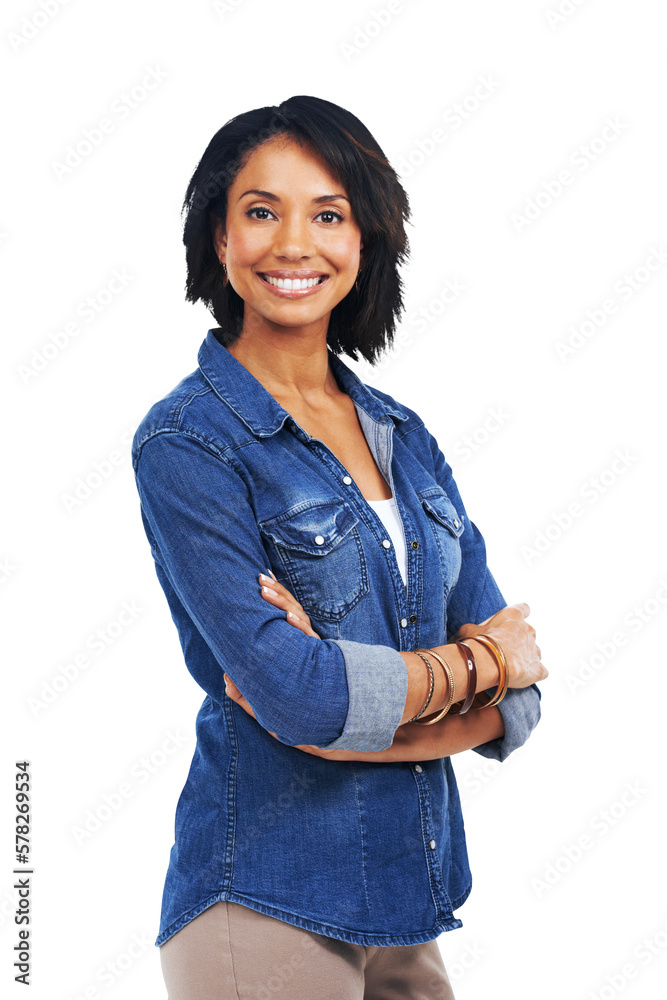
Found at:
[447, 526]
[318, 546]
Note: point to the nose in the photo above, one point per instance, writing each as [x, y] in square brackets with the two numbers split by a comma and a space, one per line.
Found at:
[294, 238]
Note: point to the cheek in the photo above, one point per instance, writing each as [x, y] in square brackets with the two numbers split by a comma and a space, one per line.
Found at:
[244, 245]
[345, 252]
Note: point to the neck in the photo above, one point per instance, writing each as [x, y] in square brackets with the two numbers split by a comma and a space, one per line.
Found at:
[292, 365]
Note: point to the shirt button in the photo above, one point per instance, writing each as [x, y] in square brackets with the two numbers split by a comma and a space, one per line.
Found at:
[415, 545]
[386, 543]
[319, 539]
[347, 480]
[418, 768]
[413, 618]
[457, 523]
[432, 845]
[404, 622]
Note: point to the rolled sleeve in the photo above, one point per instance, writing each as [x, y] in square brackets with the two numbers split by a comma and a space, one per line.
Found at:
[520, 709]
[377, 684]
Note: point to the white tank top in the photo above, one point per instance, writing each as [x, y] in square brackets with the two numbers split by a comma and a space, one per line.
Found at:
[387, 511]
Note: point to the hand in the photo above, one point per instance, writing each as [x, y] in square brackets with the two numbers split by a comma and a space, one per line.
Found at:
[518, 639]
[297, 617]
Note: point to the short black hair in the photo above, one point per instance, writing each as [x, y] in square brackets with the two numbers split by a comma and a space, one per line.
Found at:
[364, 321]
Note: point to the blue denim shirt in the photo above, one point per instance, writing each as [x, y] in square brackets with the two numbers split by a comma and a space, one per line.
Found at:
[230, 486]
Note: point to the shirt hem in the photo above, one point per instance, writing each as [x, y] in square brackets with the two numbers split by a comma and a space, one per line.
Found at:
[369, 939]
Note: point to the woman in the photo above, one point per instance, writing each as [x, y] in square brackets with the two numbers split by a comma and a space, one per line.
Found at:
[309, 537]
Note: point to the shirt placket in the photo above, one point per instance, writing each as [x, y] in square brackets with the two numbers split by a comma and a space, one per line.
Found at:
[378, 434]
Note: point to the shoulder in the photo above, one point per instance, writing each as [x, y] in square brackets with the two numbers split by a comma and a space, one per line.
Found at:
[191, 409]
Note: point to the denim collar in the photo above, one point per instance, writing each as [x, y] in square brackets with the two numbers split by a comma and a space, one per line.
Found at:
[257, 408]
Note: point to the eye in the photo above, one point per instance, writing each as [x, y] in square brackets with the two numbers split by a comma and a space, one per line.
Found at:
[330, 212]
[259, 208]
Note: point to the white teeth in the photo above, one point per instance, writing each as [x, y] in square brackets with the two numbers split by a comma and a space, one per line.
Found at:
[292, 284]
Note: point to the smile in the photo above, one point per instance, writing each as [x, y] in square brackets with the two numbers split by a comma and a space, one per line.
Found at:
[293, 287]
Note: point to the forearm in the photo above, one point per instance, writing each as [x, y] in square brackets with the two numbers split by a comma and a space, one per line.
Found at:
[419, 679]
[413, 742]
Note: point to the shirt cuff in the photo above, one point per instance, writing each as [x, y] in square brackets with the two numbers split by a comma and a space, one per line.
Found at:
[377, 684]
[520, 709]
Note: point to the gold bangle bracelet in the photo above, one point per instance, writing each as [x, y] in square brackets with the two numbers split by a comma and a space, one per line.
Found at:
[450, 677]
[503, 658]
[503, 674]
[431, 689]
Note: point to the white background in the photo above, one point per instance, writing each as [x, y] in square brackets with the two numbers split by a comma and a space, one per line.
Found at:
[542, 920]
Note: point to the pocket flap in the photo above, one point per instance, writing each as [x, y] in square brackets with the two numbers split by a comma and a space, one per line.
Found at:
[443, 510]
[314, 526]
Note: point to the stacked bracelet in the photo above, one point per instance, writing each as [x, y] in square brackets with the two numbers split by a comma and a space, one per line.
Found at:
[471, 686]
[471, 698]
[499, 656]
[450, 678]
[430, 693]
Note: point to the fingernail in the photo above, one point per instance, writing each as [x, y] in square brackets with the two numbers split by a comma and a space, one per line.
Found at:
[263, 576]
[290, 614]
[267, 590]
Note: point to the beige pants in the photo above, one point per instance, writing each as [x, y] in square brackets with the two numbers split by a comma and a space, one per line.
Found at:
[230, 952]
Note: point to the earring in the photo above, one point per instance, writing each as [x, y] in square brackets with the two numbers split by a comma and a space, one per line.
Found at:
[225, 278]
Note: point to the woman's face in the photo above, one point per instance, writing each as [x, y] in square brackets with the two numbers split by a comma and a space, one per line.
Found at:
[288, 221]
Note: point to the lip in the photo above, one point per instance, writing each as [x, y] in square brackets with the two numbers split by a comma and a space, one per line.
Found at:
[294, 273]
[293, 293]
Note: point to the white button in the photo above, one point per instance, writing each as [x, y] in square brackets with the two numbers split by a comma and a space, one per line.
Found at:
[418, 768]
[319, 539]
[432, 845]
[456, 522]
[386, 543]
[347, 480]
[404, 622]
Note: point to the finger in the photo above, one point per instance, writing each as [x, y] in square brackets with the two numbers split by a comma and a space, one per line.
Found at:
[522, 608]
[280, 597]
[303, 626]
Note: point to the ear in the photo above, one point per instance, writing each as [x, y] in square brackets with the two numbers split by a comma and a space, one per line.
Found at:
[219, 236]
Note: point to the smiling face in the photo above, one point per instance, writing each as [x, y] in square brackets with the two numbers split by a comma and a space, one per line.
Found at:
[290, 241]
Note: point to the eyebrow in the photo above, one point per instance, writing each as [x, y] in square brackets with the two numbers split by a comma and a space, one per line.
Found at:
[274, 197]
